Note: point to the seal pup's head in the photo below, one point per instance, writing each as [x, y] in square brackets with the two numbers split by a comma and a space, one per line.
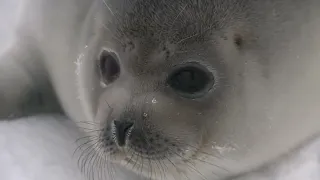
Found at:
[195, 89]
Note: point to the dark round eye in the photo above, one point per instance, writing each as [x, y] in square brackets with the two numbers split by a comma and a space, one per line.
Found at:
[109, 66]
[191, 81]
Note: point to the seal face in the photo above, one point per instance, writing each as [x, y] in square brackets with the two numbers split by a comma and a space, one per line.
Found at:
[183, 89]
[186, 88]
[162, 83]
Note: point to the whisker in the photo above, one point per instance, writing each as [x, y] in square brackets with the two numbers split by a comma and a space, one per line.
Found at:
[178, 15]
[130, 159]
[190, 166]
[105, 3]
[141, 166]
[175, 19]
[96, 158]
[86, 164]
[111, 169]
[197, 149]
[188, 163]
[112, 33]
[92, 130]
[83, 156]
[84, 122]
[84, 161]
[163, 169]
[100, 162]
[135, 162]
[184, 39]
[204, 161]
[89, 137]
[175, 167]
[158, 168]
[108, 105]
[83, 144]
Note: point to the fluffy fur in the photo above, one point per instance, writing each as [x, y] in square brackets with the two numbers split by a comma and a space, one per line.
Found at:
[261, 74]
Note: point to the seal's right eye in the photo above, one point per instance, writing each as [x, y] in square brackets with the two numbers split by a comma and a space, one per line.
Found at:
[109, 66]
[192, 80]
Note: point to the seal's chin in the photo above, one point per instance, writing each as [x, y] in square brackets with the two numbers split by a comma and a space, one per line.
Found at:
[166, 162]
[148, 167]
[128, 155]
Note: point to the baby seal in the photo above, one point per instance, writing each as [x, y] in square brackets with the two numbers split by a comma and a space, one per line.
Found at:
[171, 89]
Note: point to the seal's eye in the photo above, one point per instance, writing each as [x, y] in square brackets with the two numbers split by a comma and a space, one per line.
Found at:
[109, 66]
[191, 81]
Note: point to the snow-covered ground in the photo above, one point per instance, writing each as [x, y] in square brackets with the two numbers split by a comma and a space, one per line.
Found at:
[38, 148]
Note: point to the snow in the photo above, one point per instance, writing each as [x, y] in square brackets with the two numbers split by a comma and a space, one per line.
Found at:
[38, 148]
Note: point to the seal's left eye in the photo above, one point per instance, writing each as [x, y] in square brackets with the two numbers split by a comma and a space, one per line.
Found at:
[109, 66]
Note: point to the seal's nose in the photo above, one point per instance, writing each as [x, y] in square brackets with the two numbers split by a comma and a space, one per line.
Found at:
[122, 131]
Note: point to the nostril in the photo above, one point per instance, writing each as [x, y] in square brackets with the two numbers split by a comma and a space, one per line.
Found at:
[122, 130]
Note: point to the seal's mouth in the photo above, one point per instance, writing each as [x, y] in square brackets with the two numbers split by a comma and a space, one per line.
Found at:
[151, 166]
[130, 155]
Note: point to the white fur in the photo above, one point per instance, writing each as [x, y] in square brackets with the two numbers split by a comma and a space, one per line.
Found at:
[41, 148]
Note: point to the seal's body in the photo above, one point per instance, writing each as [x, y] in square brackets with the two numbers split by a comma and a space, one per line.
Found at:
[173, 89]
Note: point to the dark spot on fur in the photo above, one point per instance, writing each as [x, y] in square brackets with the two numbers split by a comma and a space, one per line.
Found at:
[238, 40]
[164, 48]
[167, 54]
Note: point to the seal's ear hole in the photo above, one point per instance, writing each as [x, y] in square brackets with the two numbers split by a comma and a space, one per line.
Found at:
[109, 66]
[191, 80]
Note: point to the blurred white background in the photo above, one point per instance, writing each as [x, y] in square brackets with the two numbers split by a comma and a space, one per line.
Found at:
[8, 12]
[38, 148]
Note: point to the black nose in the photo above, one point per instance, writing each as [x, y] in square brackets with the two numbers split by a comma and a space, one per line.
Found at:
[121, 131]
